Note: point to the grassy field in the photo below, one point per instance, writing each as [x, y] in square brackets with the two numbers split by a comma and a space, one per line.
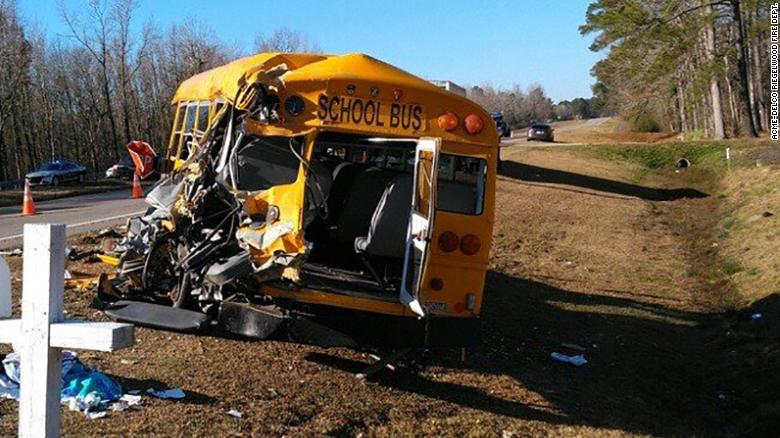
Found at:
[607, 247]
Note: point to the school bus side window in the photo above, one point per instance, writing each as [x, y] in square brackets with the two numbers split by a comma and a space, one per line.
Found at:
[189, 124]
[461, 184]
[203, 116]
[173, 146]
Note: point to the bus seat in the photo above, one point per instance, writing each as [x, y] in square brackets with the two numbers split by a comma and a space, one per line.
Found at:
[387, 232]
[364, 194]
[343, 177]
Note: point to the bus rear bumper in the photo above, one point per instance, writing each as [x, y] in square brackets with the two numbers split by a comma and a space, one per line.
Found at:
[336, 328]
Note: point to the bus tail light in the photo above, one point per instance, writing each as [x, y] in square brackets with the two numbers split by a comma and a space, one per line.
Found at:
[473, 124]
[470, 244]
[448, 121]
[459, 308]
[448, 241]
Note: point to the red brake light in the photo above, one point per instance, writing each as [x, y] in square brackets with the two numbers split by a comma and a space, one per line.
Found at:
[470, 244]
[448, 121]
[473, 124]
[448, 241]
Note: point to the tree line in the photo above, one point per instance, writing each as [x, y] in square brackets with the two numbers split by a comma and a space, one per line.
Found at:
[83, 95]
[691, 66]
[522, 108]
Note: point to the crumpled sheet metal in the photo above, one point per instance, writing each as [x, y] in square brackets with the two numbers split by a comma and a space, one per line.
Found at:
[164, 196]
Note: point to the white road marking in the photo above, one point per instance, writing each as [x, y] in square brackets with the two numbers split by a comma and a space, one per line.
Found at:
[82, 224]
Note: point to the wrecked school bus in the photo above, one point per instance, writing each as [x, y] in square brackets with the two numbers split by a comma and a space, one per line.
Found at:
[333, 200]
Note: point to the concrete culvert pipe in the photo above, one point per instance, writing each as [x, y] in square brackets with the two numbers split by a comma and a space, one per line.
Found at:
[682, 163]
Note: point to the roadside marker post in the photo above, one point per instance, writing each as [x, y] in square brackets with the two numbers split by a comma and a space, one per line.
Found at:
[728, 158]
[43, 332]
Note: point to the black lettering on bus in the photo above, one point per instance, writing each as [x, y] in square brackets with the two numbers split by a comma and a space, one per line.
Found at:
[395, 115]
[322, 107]
[379, 121]
[359, 117]
[331, 113]
[406, 116]
[345, 107]
[417, 122]
[369, 117]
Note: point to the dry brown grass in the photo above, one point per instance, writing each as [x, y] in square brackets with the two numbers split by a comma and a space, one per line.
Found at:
[583, 253]
[614, 130]
[749, 229]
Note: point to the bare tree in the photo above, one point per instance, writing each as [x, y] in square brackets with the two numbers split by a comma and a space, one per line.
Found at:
[285, 40]
[94, 34]
[15, 53]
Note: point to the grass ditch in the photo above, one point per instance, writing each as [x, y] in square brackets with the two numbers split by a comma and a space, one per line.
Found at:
[732, 238]
[731, 235]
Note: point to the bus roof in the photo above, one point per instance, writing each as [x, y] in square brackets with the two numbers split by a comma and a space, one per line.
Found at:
[313, 75]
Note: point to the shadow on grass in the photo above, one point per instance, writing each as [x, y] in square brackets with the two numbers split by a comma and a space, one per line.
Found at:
[646, 373]
[529, 173]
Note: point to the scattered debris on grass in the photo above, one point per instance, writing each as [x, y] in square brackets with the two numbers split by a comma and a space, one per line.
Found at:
[235, 414]
[173, 393]
[578, 360]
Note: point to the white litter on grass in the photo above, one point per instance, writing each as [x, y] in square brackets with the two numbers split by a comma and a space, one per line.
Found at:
[235, 414]
[125, 402]
[85, 404]
[173, 393]
[577, 361]
[94, 415]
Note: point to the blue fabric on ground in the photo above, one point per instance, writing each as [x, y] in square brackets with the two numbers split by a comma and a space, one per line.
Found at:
[78, 380]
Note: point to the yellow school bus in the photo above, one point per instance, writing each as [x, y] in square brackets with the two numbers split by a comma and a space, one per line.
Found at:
[366, 199]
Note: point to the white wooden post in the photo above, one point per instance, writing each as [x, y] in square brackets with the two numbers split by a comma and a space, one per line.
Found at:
[42, 289]
[5, 290]
[42, 332]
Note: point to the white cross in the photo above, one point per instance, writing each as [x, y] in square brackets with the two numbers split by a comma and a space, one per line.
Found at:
[43, 332]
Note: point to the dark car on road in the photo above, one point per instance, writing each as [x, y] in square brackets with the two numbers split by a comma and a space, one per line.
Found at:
[540, 132]
[501, 126]
[124, 169]
[57, 172]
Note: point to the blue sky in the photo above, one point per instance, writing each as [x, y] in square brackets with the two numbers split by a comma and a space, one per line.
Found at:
[500, 42]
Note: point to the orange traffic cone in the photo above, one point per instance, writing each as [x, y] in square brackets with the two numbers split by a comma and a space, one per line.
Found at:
[138, 192]
[28, 206]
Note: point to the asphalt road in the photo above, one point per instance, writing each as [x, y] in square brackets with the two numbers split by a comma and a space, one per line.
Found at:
[79, 213]
[519, 137]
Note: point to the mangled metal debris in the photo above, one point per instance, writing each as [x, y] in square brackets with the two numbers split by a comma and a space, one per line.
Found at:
[205, 238]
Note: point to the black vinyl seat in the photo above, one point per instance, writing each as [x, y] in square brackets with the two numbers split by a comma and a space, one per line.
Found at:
[389, 223]
[365, 192]
[385, 240]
